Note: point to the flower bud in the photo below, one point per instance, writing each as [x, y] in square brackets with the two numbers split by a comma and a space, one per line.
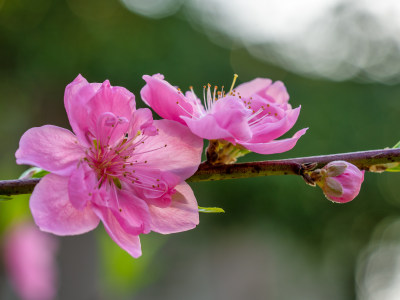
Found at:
[340, 181]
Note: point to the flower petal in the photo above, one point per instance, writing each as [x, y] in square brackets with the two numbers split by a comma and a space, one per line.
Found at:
[181, 215]
[255, 86]
[142, 119]
[77, 94]
[208, 128]
[133, 214]
[276, 146]
[277, 91]
[181, 156]
[54, 213]
[268, 131]
[52, 148]
[80, 186]
[86, 102]
[228, 120]
[110, 100]
[165, 99]
[129, 242]
[231, 114]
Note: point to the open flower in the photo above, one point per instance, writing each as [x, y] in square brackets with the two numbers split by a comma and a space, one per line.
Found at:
[249, 117]
[120, 167]
[339, 180]
[30, 262]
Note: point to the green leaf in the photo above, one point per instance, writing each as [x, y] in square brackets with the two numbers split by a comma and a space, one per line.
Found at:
[394, 169]
[33, 172]
[397, 167]
[40, 174]
[211, 210]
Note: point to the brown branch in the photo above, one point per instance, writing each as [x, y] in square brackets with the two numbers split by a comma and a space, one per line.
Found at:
[363, 160]
[18, 186]
[206, 172]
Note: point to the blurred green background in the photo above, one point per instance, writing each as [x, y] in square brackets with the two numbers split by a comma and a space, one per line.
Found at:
[279, 238]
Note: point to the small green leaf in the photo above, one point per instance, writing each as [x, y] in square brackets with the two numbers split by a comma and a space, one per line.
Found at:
[211, 210]
[40, 174]
[33, 172]
[394, 169]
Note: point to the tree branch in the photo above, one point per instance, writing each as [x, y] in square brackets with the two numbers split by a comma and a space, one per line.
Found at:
[206, 172]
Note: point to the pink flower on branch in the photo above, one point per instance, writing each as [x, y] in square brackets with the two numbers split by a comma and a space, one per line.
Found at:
[30, 262]
[339, 180]
[249, 117]
[120, 167]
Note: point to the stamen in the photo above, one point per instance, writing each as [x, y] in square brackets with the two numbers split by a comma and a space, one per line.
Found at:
[185, 110]
[235, 76]
[151, 150]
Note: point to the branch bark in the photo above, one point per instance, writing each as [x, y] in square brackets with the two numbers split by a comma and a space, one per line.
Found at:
[364, 160]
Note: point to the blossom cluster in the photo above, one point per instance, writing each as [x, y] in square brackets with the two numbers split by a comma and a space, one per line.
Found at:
[121, 167]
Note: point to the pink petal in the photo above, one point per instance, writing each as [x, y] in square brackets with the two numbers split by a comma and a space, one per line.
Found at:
[54, 213]
[142, 119]
[208, 128]
[277, 91]
[277, 146]
[110, 101]
[129, 242]
[85, 102]
[51, 148]
[231, 114]
[163, 97]
[165, 181]
[181, 156]
[81, 185]
[268, 131]
[77, 95]
[133, 214]
[248, 89]
[228, 120]
[181, 215]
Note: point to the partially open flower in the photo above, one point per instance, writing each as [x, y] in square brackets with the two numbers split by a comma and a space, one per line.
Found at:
[340, 181]
[248, 118]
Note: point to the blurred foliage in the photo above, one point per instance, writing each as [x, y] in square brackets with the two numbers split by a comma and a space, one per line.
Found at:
[122, 275]
[46, 44]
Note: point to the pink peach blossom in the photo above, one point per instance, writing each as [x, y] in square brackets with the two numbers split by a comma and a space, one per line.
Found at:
[29, 259]
[340, 181]
[120, 167]
[252, 116]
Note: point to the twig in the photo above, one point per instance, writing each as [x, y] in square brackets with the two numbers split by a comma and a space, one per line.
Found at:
[206, 172]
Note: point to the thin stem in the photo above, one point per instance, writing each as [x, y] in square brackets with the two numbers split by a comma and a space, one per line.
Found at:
[294, 166]
[18, 186]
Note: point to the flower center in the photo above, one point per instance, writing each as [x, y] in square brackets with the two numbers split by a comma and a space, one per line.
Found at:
[210, 96]
[120, 163]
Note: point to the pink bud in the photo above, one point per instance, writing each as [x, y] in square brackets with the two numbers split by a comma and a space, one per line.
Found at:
[341, 181]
